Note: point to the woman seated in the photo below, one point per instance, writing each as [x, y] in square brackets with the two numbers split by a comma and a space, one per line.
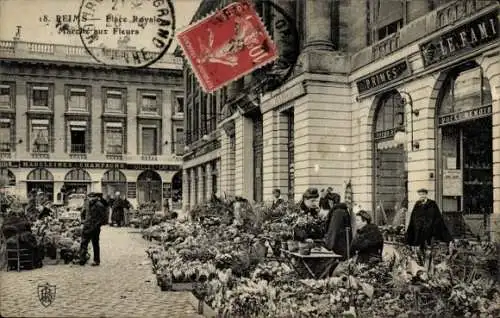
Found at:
[369, 242]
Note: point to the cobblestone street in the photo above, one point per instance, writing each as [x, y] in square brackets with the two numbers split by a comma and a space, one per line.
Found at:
[123, 286]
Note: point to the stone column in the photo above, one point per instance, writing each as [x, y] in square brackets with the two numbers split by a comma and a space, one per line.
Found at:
[226, 168]
[491, 68]
[244, 158]
[185, 190]
[192, 200]
[201, 184]
[208, 169]
[421, 161]
[318, 24]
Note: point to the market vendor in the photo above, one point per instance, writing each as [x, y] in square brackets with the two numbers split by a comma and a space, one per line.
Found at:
[119, 206]
[337, 222]
[310, 202]
[44, 211]
[368, 242]
[277, 200]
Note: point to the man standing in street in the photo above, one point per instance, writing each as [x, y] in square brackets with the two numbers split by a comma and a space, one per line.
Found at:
[277, 200]
[119, 207]
[426, 224]
[95, 216]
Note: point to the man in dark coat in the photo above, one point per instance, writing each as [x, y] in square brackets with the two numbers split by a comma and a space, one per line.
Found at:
[426, 223]
[119, 206]
[337, 221]
[368, 242]
[94, 217]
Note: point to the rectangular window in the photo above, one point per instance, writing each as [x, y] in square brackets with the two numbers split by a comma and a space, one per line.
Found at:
[179, 141]
[5, 135]
[179, 105]
[149, 141]
[40, 132]
[77, 136]
[5, 96]
[114, 138]
[149, 103]
[77, 99]
[114, 101]
[40, 96]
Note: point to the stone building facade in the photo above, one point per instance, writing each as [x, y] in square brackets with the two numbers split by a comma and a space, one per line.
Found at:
[392, 96]
[69, 124]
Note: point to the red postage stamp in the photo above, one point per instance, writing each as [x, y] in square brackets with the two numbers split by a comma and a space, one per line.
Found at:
[227, 45]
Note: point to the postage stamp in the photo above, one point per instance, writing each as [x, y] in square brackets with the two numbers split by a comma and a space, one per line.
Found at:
[132, 33]
[227, 45]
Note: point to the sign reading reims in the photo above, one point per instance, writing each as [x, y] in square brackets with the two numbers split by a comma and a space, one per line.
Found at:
[388, 74]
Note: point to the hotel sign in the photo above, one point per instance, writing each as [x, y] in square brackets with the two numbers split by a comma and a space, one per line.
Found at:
[381, 78]
[471, 35]
[86, 165]
[465, 115]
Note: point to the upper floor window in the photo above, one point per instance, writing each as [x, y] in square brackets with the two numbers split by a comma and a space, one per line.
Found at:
[78, 136]
[5, 135]
[385, 18]
[179, 141]
[149, 142]
[149, 102]
[6, 96]
[114, 138]
[114, 101]
[40, 132]
[178, 103]
[389, 29]
[40, 96]
[77, 99]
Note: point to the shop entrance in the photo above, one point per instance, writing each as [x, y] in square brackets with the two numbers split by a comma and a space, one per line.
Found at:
[149, 187]
[41, 180]
[465, 165]
[390, 173]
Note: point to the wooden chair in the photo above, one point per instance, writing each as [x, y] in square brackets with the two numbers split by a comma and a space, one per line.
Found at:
[23, 257]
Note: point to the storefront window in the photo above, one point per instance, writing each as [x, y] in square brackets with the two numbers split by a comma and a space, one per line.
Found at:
[465, 150]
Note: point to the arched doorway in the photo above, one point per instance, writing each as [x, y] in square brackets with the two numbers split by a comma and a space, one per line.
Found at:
[7, 177]
[464, 150]
[177, 190]
[77, 181]
[41, 180]
[391, 173]
[149, 188]
[112, 181]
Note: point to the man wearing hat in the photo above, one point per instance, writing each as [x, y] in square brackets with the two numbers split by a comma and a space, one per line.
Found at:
[426, 223]
[95, 216]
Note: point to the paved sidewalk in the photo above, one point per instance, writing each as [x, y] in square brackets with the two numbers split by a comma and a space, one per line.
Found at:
[123, 286]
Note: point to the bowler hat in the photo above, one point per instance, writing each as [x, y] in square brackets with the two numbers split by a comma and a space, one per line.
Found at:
[422, 190]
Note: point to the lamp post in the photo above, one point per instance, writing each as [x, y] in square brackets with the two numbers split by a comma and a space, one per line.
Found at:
[400, 135]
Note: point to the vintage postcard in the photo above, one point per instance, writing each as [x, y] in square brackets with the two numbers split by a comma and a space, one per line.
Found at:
[249, 158]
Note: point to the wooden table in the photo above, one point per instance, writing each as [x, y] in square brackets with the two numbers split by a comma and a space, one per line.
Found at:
[330, 258]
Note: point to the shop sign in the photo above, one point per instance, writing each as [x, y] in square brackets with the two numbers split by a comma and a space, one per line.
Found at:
[452, 182]
[86, 165]
[471, 35]
[385, 133]
[465, 115]
[387, 75]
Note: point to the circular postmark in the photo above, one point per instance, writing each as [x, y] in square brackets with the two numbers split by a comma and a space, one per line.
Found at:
[134, 33]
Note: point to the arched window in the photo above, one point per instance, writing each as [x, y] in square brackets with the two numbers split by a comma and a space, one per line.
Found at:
[390, 171]
[40, 174]
[389, 116]
[77, 175]
[8, 176]
[114, 176]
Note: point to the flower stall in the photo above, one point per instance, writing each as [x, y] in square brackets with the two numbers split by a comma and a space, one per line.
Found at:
[236, 267]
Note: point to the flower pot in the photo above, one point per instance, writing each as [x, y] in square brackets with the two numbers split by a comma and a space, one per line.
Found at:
[304, 248]
[293, 246]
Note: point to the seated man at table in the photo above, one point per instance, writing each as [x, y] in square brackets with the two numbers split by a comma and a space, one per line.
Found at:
[369, 242]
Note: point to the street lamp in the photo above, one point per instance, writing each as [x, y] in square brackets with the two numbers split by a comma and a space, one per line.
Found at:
[400, 136]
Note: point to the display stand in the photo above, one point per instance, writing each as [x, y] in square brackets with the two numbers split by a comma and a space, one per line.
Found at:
[331, 260]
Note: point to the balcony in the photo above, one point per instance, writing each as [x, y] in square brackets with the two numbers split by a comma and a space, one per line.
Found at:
[74, 54]
[114, 152]
[149, 157]
[40, 152]
[78, 151]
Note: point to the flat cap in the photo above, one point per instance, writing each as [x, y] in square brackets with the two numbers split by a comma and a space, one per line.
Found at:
[422, 190]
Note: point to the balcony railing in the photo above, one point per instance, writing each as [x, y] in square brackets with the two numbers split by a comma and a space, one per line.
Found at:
[77, 148]
[149, 157]
[57, 52]
[40, 148]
